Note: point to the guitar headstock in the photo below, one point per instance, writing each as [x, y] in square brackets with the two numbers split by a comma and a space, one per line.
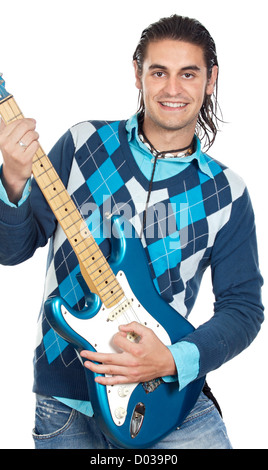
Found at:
[3, 93]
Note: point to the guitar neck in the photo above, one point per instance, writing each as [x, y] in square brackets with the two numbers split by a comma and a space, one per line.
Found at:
[94, 267]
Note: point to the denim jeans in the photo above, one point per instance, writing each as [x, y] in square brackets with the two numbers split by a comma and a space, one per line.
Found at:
[59, 427]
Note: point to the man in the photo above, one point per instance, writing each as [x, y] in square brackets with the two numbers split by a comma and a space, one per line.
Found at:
[152, 160]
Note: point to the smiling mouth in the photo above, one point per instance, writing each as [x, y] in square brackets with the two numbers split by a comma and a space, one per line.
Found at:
[169, 104]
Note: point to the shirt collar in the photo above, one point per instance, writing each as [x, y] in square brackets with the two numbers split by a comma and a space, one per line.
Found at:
[198, 155]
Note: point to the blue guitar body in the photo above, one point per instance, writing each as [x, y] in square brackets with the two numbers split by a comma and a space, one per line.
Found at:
[139, 415]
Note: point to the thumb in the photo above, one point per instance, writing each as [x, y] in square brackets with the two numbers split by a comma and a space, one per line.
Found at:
[133, 329]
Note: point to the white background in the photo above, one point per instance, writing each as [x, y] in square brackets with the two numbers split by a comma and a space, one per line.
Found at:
[68, 61]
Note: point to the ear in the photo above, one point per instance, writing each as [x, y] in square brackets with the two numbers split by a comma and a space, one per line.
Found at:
[212, 81]
[137, 75]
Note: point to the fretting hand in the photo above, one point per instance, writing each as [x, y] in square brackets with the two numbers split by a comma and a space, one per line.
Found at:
[18, 144]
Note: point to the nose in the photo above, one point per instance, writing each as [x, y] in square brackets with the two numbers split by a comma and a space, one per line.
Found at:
[173, 86]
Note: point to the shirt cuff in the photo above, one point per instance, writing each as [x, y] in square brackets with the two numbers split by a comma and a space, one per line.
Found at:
[186, 356]
[25, 194]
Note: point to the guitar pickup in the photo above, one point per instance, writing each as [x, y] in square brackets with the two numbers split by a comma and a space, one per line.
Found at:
[120, 310]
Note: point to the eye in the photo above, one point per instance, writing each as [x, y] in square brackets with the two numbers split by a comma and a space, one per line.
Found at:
[188, 75]
[159, 74]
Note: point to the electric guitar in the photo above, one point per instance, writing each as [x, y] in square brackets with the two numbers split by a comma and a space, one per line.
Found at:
[136, 415]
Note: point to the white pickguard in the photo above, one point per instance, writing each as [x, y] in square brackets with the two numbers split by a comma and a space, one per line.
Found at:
[99, 331]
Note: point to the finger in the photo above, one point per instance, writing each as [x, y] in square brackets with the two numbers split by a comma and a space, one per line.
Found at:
[31, 150]
[135, 332]
[135, 327]
[106, 369]
[113, 380]
[106, 358]
[121, 359]
[127, 342]
[17, 129]
[111, 375]
[28, 139]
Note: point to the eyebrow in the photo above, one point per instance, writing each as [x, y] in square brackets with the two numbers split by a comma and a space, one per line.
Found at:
[183, 69]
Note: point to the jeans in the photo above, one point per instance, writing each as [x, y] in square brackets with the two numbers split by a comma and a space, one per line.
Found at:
[59, 427]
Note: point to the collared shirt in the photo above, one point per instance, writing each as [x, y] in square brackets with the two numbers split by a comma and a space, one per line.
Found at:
[167, 167]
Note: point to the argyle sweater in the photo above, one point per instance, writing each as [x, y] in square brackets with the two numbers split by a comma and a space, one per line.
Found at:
[193, 221]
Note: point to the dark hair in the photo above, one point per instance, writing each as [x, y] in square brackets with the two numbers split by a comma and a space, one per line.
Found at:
[189, 30]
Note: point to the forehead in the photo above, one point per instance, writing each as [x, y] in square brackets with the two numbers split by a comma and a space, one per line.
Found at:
[173, 53]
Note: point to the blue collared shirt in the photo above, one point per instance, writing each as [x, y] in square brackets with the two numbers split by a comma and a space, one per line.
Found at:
[167, 167]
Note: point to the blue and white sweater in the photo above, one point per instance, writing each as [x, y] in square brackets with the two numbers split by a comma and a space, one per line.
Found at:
[199, 217]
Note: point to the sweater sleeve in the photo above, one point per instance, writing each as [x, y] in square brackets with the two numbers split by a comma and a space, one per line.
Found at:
[27, 227]
[236, 279]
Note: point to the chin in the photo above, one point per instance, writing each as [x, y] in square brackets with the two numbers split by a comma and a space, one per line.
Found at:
[171, 125]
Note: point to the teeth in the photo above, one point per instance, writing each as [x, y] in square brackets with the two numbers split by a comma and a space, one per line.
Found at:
[174, 105]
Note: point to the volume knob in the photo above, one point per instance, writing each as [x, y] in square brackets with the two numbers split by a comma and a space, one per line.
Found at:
[120, 412]
[123, 391]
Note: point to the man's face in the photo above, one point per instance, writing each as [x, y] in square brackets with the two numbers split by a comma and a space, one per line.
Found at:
[174, 83]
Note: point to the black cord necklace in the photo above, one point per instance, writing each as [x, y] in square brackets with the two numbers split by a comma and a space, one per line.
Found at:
[180, 153]
[184, 152]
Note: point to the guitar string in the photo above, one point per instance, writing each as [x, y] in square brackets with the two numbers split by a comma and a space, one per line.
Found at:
[95, 262]
[90, 244]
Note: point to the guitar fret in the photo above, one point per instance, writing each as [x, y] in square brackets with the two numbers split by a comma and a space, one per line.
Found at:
[109, 286]
[115, 299]
[74, 208]
[94, 262]
[68, 216]
[56, 195]
[113, 292]
[37, 158]
[72, 224]
[102, 273]
[76, 234]
[105, 262]
[104, 279]
[7, 111]
[41, 174]
[41, 159]
[93, 253]
[87, 247]
[50, 184]
[14, 118]
[90, 256]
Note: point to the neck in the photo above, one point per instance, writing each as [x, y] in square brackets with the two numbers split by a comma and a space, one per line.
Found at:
[164, 139]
